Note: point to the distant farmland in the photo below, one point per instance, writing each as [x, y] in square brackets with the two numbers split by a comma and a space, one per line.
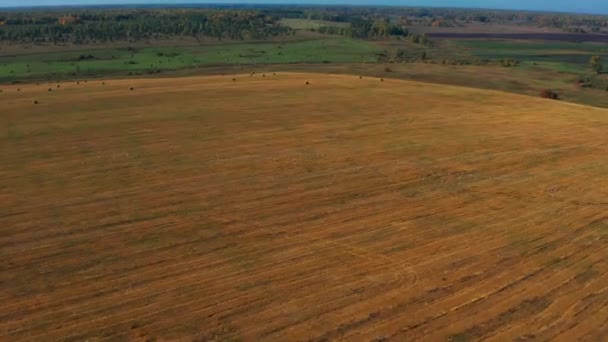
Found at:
[259, 207]
[565, 37]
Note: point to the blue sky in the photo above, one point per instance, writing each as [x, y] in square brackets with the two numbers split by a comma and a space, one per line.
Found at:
[583, 6]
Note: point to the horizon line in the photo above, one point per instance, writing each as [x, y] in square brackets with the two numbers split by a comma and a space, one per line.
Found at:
[301, 4]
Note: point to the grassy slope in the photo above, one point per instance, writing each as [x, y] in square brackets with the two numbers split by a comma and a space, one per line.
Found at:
[258, 208]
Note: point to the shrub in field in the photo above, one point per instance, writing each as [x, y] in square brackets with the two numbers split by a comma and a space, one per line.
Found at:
[549, 94]
[507, 63]
[596, 64]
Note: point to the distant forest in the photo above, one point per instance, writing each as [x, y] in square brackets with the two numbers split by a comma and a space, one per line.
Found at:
[85, 25]
[446, 16]
[102, 25]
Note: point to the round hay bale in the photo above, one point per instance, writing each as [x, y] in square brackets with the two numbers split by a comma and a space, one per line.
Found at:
[35, 101]
[50, 89]
[307, 83]
[131, 88]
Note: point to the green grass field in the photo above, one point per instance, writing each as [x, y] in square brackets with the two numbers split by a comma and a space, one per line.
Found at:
[150, 60]
[554, 65]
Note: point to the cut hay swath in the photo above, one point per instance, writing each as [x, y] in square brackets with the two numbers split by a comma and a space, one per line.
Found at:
[208, 209]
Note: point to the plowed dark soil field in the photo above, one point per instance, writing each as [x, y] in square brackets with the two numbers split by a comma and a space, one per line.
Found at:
[263, 208]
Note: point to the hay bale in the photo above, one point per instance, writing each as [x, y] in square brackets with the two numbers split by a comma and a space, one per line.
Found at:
[307, 83]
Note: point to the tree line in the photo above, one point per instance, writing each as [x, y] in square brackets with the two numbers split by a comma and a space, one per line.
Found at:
[104, 25]
[362, 28]
[445, 16]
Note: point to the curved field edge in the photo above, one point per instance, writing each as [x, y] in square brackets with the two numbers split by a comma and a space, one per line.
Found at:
[260, 207]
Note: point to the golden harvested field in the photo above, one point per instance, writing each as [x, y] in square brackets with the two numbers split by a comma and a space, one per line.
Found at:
[266, 209]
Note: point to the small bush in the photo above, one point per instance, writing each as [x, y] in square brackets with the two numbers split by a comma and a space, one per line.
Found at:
[131, 88]
[507, 63]
[549, 94]
[85, 57]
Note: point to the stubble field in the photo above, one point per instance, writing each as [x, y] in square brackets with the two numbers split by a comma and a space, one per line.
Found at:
[262, 208]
